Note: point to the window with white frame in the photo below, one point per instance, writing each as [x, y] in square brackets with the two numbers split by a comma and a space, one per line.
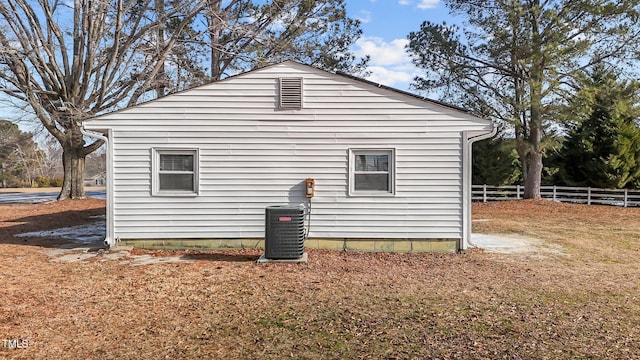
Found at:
[372, 172]
[175, 172]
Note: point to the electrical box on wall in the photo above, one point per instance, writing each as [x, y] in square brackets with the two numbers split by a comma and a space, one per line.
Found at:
[311, 185]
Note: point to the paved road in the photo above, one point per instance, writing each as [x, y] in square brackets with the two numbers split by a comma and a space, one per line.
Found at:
[33, 198]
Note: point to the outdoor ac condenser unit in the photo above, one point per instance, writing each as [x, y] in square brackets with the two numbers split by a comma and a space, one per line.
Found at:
[284, 232]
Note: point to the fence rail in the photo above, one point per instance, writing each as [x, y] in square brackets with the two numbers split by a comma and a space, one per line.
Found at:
[578, 195]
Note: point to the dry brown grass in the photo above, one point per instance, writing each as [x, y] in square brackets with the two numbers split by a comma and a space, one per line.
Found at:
[341, 305]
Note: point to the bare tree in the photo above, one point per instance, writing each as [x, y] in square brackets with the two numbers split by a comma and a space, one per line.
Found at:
[232, 36]
[51, 165]
[19, 156]
[97, 165]
[68, 63]
[245, 34]
[24, 161]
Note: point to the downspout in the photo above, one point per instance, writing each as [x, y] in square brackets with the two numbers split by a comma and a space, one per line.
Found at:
[467, 182]
[109, 239]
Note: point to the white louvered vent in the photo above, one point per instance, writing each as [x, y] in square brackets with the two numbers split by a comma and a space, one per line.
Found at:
[290, 93]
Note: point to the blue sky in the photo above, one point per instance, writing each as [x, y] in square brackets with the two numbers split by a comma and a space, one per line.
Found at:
[386, 25]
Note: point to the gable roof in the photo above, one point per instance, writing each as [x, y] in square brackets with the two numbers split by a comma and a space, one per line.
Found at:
[312, 68]
[362, 80]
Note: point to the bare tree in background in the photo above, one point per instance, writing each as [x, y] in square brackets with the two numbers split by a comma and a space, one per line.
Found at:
[232, 36]
[243, 35]
[20, 157]
[97, 167]
[51, 165]
[70, 63]
[25, 161]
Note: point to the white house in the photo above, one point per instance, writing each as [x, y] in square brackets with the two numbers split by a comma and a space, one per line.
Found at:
[199, 167]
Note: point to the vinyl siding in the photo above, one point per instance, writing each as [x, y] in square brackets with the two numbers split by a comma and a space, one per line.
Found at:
[253, 155]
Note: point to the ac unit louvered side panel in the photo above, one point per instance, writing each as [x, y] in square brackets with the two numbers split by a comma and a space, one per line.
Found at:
[290, 93]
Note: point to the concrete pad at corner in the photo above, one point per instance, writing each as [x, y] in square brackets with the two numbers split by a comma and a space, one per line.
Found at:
[512, 243]
[485, 241]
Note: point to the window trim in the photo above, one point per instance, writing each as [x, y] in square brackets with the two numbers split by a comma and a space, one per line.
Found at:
[392, 171]
[155, 171]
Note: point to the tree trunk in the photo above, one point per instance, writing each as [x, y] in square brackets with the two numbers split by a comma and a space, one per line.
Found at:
[161, 83]
[73, 184]
[73, 159]
[533, 165]
[533, 176]
[214, 29]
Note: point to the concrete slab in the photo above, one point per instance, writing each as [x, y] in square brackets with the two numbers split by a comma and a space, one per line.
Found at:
[264, 260]
[493, 241]
[513, 243]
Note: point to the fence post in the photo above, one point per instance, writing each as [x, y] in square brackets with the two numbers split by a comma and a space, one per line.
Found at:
[554, 193]
[626, 197]
[589, 195]
[484, 193]
[518, 192]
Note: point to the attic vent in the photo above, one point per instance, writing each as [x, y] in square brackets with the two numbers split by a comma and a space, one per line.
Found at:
[290, 93]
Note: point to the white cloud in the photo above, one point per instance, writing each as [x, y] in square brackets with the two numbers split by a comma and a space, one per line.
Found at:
[390, 77]
[422, 4]
[428, 4]
[390, 65]
[381, 52]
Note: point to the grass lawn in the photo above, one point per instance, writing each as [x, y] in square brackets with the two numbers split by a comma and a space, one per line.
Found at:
[581, 303]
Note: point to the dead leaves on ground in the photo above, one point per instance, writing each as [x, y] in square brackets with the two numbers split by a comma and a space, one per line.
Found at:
[341, 305]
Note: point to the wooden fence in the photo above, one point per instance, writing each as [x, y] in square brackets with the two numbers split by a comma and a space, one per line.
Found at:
[579, 195]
